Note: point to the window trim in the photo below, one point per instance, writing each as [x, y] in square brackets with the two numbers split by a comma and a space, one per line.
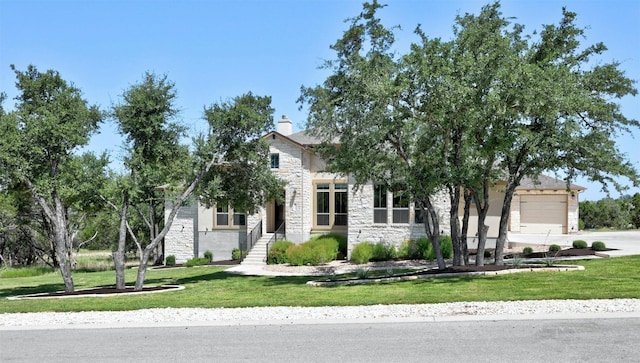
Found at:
[395, 209]
[384, 194]
[332, 191]
[231, 218]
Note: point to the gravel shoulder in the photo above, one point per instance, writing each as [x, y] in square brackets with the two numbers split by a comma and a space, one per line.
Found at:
[502, 310]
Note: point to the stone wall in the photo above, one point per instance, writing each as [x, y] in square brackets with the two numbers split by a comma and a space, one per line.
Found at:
[361, 226]
[294, 169]
[181, 238]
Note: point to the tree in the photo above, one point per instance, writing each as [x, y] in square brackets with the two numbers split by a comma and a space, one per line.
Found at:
[366, 104]
[562, 114]
[50, 122]
[228, 164]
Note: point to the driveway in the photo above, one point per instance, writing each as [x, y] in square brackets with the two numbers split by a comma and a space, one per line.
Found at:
[625, 242]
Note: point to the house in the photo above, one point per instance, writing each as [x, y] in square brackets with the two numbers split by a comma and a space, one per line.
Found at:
[317, 202]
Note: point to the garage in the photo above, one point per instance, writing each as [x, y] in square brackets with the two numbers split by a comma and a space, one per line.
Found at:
[543, 214]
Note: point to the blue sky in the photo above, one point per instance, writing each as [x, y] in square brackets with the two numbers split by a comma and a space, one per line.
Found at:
[216, 50]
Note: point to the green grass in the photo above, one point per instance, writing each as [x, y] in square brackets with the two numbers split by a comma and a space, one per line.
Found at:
[211, 287]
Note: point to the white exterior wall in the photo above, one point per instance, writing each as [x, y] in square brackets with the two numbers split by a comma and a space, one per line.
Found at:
[361, 226]
[180, 240]
[573, 213]
[294, 169]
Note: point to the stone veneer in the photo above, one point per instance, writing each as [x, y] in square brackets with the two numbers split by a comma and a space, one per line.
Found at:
[181, 238]
[294, 169]
[362, 228]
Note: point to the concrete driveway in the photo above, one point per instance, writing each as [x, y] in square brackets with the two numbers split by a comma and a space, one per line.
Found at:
[625, 242]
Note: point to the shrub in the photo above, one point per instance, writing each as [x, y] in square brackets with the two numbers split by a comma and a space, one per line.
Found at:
[208, 255]
[598, 246]
[554, 248]
[171, 260]
[341, 239]
[446, 246]
[278, 252]
[362, 252]
[196, 261]
[579, 244]
[409, 250]
[237, 254]
[383, 251]
[314, 252]
[487, 253]
[527, 250]
[424, 245]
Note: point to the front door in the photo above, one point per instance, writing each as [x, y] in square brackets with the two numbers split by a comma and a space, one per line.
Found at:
[275, 214]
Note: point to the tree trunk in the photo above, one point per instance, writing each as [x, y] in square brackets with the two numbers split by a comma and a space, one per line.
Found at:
[432, 229]
[482, 206]
[119, 254]
[504, 222]
[465, 225]
[63, 244]
[454, 222]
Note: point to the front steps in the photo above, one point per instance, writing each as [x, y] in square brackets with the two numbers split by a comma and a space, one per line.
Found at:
[258, 254]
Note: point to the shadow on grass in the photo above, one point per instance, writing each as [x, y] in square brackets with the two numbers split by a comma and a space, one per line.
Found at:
[29, 290]
[263, 280]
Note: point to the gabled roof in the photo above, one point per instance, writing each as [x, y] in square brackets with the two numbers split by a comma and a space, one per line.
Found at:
[544, 182]
[274, 134]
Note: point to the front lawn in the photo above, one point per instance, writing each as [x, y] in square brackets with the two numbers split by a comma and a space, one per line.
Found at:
[211, 287]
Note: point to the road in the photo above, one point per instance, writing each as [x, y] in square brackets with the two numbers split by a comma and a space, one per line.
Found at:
[564, 340]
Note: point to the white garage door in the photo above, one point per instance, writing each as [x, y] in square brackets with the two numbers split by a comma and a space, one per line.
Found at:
[543, 214]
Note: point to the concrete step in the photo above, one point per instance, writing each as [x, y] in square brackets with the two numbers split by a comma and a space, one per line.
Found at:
[258, 254]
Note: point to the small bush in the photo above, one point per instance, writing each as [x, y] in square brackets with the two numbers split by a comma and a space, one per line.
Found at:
[278, 252]
[487, 253]
[300, 255]
[237, 254]
[409, 250]
[527, 250]
[424, 245]
[554, 248]
[171, 260]
[208, 255]
[340, 238]
[446, 246]
[579, 244]
[598, 246]
[362, 252]
[383, 252]
[196, 261]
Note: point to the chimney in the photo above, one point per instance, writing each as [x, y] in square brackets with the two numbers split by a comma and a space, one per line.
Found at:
[285, 126]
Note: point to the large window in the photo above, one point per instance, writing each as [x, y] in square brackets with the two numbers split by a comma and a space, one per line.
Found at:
[225, 217]
[379, 203]
[331, 205]
[400, 208]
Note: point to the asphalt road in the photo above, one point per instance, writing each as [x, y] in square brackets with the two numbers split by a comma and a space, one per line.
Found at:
[570, 340]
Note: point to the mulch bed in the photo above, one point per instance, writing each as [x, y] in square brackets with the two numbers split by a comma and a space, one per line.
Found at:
[214, 263]
[569, 252]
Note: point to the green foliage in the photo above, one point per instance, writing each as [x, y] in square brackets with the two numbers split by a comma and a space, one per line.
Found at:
[487, 253]
[342, 242]
[554, 248]
[362, 272]
[313, 252]
[579, 244]
[237, 254]
[598, 246]
[446, 247]
[197, 261]
[383, 251]
[527, 250]
[409, 250]
[208, 255]
[170, 260]
[278, 252]
[362, 253]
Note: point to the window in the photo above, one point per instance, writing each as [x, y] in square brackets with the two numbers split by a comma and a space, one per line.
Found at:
[340, 207]
[222, 216]
[379, 203]
[275, 161]
[332, 208]
[400, 208]
[322, 204]
[225, 217]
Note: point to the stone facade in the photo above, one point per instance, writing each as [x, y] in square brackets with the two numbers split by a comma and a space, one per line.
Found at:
[181, 240]
[361, 221]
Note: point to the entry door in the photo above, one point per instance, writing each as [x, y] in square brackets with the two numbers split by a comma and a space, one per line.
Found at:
[275, 214]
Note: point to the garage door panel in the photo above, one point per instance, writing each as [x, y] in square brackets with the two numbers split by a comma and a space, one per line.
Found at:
[543, 214]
